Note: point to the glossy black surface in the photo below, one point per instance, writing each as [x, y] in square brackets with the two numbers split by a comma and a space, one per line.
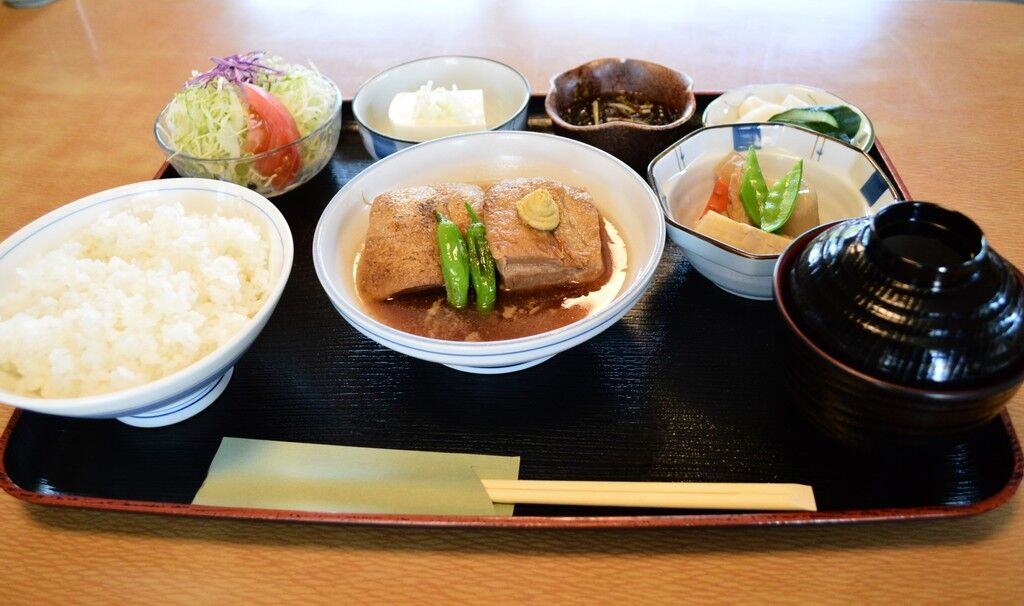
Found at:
[870, 326]
[912, 296]
[688, 386]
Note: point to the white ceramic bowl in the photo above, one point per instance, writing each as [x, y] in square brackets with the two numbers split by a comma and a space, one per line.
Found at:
[848, 183]
[190, 390]
[619, 193]
[725, 108]
[506, 95]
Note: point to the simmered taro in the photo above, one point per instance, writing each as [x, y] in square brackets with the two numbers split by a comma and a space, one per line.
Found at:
[619, 107]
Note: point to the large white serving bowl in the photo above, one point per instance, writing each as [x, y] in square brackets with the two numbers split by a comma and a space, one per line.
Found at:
[506, 95]
[848, 183]
[724, 109]
[619, 193]
[188, 391]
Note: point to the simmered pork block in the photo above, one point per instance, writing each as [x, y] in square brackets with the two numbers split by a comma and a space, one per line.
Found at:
[530, 258]
[400, 254]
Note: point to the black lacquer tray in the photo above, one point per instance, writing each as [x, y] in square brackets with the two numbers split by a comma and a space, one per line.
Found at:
[688, 386]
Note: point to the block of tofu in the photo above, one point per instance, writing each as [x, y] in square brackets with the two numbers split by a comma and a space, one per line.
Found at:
[430, 113]
[740, 235]
[400, 254]
[530, 258]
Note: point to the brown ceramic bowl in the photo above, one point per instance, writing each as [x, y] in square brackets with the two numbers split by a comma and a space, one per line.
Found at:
[905, 329]
[633, 143]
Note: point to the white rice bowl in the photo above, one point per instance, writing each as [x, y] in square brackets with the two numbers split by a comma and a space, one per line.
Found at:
[137, 298]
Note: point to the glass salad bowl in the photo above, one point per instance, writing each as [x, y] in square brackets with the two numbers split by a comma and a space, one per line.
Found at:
[270, 173]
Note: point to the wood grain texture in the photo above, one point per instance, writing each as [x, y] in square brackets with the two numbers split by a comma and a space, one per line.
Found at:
[83, 80]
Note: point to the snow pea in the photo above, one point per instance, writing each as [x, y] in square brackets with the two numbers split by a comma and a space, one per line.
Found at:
[753, 189]
[778, 206]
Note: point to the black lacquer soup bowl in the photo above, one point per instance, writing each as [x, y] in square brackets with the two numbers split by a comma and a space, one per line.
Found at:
[906, 328]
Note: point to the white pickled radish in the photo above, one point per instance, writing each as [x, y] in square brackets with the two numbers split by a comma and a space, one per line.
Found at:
[756, 109]
[792, 101]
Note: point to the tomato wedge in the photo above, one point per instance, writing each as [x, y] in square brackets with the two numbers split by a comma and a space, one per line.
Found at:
[271, 126]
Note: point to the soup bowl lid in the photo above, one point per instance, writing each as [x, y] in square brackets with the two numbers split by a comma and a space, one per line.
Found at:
[913, 296]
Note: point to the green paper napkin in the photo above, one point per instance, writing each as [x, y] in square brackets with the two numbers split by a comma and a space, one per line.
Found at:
[346, 479]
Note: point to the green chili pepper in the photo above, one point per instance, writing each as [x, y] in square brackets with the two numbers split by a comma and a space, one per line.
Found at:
[481, 263]
[778, 206]
[454, 261]
[753, 189]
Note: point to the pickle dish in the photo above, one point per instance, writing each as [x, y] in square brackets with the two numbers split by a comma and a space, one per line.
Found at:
[438, 96]
[846, 181]
[775, 98]
[344, 240]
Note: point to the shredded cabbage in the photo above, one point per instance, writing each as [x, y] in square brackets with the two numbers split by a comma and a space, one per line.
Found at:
[308, 96]
[208, 121]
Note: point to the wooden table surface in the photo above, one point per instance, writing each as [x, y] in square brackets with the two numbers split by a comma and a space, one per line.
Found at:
[82, 80]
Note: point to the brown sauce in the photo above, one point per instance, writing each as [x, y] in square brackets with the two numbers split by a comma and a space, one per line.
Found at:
[516, 314]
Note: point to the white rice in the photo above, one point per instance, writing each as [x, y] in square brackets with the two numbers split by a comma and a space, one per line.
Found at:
[133, 297]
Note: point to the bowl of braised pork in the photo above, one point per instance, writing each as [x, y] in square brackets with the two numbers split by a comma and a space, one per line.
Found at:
[489, 252]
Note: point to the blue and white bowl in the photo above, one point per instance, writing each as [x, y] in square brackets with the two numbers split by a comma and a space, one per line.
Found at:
[620, 194]
[848, 182]
[188, 391]
[506, 95]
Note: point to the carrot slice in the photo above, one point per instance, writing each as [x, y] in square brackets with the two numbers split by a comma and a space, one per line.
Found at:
[719, 200]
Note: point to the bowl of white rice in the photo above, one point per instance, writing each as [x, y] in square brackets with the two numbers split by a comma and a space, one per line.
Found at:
[135, 303]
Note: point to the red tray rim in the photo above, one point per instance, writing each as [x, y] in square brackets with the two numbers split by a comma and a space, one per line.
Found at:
[441, 521]
[450, 521]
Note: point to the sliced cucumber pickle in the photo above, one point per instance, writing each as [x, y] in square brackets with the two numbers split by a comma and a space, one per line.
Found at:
[802, 115]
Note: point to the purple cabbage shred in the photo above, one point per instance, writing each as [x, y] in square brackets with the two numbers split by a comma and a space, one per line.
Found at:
[235, 69]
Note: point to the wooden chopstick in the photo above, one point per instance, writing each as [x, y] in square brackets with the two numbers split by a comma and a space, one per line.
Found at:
[682, 495]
